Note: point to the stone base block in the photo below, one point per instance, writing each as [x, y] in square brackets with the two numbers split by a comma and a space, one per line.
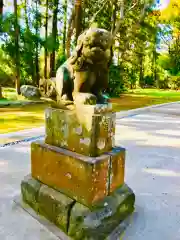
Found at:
[75, 219]
[46, 201]
[82, 131]
[85, 179]
[98, 221]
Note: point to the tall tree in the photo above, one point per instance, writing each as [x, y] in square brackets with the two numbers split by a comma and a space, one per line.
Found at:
[78, 18]
[26, 15]
[65, 26]
[17, 58]
[46, 37]
[71, 24]
[1, 8]
[37, 28]
[1, 92]
[127, 20]
[28, 45]
[113, 17]
[54, 37]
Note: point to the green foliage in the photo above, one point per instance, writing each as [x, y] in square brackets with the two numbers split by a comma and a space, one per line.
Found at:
[116, 85]
[6, 69]
[138, 62]
[165, 62]
[149, 81]
[173, 82]
[60, 58]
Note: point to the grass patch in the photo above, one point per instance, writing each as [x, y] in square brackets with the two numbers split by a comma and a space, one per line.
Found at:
[18, 118]
[10, 95]
[143, 98]
[156, 93]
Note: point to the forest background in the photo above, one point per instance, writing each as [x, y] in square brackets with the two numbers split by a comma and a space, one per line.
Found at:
[37, 36]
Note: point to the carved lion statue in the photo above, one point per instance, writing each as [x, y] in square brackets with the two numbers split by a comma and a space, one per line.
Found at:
[84, 76]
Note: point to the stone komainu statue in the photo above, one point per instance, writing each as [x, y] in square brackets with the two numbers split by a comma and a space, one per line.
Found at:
[84, 76]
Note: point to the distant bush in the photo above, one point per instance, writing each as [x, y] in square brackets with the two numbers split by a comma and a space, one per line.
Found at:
[164, 83]
[174, 82]
[5, 79]
[170, 82]
[149, 81]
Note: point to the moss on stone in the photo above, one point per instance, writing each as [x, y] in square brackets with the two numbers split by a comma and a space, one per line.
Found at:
[55, 206]
[80, 131]
[78, 221]
[30, 190]
[46, 201]
[101, 219]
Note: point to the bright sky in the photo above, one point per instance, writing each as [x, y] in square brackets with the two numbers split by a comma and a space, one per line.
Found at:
[162, 4]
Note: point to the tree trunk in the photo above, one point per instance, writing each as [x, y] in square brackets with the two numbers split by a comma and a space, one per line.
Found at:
[65, 27]
[17, 59]
[37, 77]
[1, 8]
[37, 65]
[113, 19]
[141, 72]
[1, 96]
[155, 68]
[154, 65]
[1, 14]
[69, 33]
[54, 35]
[78, 18]
[46, 36]
[27, 43]
[118, 58]
[26, 15]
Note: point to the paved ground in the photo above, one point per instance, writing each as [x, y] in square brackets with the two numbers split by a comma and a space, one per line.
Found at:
[152, 141]
[152, 171]
[8, 138]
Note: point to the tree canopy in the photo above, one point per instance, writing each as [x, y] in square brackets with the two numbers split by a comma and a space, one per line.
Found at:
[36, 37]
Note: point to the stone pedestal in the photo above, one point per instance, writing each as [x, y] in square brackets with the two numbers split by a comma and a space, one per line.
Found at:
[87, 130]
[77, 174]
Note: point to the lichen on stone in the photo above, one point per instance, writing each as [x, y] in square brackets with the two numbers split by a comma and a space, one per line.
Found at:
[101, 143]
[85, 141]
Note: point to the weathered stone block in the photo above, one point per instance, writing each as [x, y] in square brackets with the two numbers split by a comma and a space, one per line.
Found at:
[54, 206]
[98, 221]
[30, 190]
[88, 129]
[79, 222]
[93, 109]
[83, 178]
[117, 168]
[46, 201]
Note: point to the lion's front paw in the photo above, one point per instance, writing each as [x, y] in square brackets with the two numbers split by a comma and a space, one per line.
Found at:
[85, 98]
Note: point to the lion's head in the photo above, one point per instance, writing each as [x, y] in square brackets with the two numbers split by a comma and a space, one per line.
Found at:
[93, 49]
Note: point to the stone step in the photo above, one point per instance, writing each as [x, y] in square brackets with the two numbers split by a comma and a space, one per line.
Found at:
[77, 221]
[85, 179]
